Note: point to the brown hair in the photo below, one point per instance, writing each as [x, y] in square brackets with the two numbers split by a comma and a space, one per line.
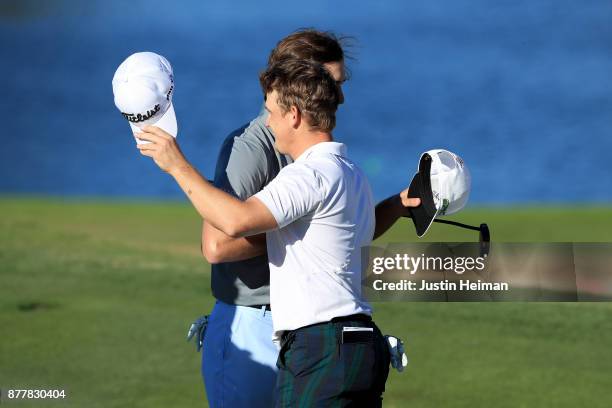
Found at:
[308, 86]
[312, 45]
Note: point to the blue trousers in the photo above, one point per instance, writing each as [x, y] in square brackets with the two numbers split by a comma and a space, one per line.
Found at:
[239, 358]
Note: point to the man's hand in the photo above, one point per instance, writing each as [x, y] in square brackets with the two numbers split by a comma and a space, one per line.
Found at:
[163, 149]
[407, 202]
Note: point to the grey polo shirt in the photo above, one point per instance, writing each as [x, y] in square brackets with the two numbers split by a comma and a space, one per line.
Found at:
[246, 163]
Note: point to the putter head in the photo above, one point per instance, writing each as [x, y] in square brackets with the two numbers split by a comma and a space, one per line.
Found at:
[485, 240]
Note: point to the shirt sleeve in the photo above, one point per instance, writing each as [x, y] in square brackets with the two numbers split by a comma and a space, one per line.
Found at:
[295, 192]
[241, 167]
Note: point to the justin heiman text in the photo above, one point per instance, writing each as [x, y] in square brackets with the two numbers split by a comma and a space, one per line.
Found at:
[405, 284]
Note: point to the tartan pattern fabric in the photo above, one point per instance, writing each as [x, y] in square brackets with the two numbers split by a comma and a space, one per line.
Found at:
[317, 370]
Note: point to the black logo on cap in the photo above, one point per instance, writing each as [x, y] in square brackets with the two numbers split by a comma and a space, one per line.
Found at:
[459, 161]
[140, 117]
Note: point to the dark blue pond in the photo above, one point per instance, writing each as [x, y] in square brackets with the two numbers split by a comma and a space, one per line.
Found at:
[522, 90]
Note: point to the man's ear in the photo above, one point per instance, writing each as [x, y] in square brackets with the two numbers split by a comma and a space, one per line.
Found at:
[296, 117]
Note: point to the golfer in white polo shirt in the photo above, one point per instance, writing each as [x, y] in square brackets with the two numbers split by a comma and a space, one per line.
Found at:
[318, 213]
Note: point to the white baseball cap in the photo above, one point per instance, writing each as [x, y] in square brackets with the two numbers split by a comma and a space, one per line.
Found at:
[143, 86]
[443, 184]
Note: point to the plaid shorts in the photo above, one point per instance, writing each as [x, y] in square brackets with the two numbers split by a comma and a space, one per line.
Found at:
[327, 365]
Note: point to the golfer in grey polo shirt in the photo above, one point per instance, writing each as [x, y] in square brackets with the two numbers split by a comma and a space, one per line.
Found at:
[307, 213]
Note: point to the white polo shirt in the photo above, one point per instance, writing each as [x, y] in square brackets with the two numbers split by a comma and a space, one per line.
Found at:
[325, 212]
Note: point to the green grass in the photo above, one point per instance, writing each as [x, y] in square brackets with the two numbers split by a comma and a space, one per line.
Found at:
[96, 297]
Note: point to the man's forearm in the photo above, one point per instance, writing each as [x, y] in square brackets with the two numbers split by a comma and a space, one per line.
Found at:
[222, 210]
[390, 210]
[219, 247]
[387, 213]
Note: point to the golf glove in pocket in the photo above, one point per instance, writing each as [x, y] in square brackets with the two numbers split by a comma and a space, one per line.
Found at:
[198, 329]
[399, 360]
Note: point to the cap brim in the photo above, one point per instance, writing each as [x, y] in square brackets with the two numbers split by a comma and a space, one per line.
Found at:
[420, 187]
[167, 122]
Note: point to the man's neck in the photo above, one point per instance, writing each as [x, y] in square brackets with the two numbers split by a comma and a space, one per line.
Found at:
[309, 140]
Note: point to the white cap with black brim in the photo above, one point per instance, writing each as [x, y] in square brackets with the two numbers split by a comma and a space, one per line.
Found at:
[443, 184]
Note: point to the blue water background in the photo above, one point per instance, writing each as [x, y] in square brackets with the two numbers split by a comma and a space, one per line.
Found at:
[521, 89]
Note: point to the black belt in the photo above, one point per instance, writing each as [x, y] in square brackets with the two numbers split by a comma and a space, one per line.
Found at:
[352, 318]
[268, 308]
[360, 317]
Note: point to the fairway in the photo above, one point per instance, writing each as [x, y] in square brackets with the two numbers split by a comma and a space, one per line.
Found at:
[96, 298]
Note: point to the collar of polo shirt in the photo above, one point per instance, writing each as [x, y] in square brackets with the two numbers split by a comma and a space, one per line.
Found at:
[336, 148]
